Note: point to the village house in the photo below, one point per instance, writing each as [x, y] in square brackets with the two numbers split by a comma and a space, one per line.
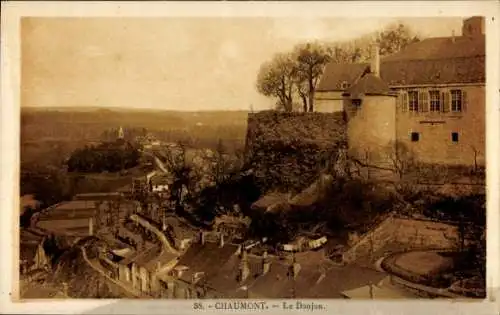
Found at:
[85, 215]
[243, 275]
[429, 97]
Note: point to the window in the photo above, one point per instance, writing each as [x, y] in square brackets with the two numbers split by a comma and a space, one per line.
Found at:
[356, 102]
[415, 136]
[413, 101]
[435, 98]
[456, 100]
[454, 136]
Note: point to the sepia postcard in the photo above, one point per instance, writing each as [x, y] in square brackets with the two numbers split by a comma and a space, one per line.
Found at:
[264, 157]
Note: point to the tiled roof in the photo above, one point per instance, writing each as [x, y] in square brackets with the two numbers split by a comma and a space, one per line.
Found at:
[441, 60]
[335, 74]
[369, 84]
[205, 258]
[346, 278]
[75, 205]
[434, 71]
[439, 48]
[274, 284]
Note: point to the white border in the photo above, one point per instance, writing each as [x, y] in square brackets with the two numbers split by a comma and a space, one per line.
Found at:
[10, 59]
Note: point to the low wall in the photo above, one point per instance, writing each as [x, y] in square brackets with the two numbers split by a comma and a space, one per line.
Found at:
[410, 233]
[425, 234]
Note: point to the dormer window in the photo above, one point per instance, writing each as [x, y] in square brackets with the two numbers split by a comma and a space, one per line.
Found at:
[344, 85]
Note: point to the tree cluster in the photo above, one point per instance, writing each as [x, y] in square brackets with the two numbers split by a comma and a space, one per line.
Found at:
[109, 156]
[49, 185]
[294, 75]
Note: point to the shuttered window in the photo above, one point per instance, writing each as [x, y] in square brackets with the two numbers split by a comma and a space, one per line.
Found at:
[423, 98]
[435, 101]
[404, 101]
[413, 101]
[445, 98]
[456, 100]
[465, 102]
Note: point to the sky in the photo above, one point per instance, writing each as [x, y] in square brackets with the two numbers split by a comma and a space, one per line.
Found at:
[176, 63]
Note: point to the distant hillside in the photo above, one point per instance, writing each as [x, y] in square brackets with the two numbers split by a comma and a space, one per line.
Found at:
[66, 124]
[50, 135]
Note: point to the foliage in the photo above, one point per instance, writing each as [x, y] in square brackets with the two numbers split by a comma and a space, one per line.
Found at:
[25, 219]
[394, 38]
[311, 60]
[286, 150]
[48, 185]
[183, 172]
[275, 79]
[296, 72]
[108, 156]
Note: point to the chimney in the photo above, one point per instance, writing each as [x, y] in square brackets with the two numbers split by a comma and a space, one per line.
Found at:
[244, 269]
[266, 263]
[91, 226]
[453, 36]
[221, 240]
[202, 238]
[375, 63]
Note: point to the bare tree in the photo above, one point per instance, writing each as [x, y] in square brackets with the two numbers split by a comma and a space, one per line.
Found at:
[311, 60]
[394, 38]
[275, 79]
[182, 171]
[221, 164]
[402, 160]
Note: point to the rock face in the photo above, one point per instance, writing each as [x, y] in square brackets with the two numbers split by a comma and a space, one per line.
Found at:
[287, 151]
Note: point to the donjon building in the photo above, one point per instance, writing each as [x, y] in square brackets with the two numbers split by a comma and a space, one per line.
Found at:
[429, 97]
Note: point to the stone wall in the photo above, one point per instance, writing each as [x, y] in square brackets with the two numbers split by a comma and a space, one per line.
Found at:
[435, 144]
[409, 234]
[287, 150]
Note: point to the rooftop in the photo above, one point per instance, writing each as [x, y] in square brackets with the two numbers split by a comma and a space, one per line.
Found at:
[440, 60]
[312, 281]
[98, 196]
[204, 258]
[336, 74]
[369, 84]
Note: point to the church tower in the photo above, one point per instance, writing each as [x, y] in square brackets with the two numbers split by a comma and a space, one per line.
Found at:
[120, 133]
